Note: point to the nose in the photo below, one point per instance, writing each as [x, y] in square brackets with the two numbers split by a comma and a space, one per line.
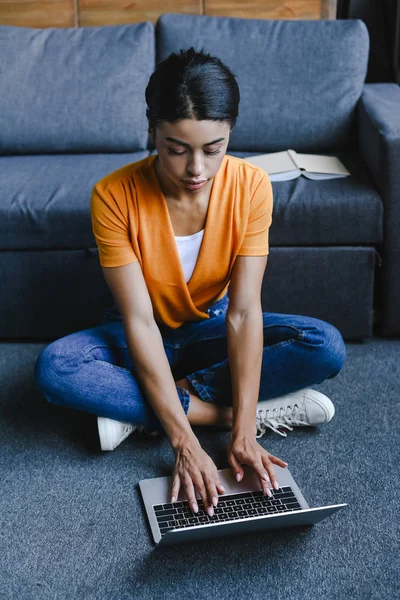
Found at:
[195, 167]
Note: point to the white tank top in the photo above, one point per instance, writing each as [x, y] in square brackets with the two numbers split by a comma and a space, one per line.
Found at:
[188, 249]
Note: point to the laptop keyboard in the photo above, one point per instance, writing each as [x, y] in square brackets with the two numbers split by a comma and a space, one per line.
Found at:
[230, 507]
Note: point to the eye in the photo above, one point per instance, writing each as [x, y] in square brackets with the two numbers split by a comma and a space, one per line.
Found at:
[170, 151]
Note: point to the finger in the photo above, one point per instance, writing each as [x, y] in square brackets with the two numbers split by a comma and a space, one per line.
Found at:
[175, 488]
[277, 461]
[212, 491]
[189, 490]
[221, 489]
[258, 466]
[271, 472]
[263, 476]
[237, 469]
[201, 488]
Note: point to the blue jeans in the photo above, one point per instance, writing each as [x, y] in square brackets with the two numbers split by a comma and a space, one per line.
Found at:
[91, 370]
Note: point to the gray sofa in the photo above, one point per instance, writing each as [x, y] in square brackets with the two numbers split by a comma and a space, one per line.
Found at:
[72, 109]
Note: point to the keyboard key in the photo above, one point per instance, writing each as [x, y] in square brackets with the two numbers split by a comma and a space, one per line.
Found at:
[170, 511]
[284, 495]
[162, 518]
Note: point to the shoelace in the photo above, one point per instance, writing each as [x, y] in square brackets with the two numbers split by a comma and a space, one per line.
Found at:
[263, 419]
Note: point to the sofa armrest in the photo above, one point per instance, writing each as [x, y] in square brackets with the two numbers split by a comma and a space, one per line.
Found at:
[378, 115]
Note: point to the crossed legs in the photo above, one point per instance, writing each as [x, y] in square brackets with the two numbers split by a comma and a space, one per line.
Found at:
[206, 413]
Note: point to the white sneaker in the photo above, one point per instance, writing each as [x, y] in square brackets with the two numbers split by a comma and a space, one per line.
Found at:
[306, 407]
[112, 432]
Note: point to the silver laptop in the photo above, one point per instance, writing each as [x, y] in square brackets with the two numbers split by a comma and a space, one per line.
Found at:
[242, 510]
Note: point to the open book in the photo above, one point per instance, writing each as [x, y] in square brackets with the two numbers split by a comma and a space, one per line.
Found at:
[287, 165]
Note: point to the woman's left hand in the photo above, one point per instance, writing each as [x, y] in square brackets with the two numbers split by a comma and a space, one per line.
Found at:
[244, 449]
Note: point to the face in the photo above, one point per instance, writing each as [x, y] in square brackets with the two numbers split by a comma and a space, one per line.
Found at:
[189, 155]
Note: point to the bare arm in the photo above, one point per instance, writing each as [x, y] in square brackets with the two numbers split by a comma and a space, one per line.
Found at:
[146, 350]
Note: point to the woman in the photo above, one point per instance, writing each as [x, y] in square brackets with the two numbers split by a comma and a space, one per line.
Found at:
[174, 230]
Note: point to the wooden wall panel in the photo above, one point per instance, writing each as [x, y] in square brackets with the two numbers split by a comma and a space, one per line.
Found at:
[116, 12]
[94, 13]
[44, 13]
[272, 9]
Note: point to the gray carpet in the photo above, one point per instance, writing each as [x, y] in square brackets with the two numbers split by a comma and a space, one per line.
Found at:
[73, 524]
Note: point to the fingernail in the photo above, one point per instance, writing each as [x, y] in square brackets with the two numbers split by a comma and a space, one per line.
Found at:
[210, 511]
[215, 501]
[237, 476]
[173, 498]
[265, 476]
[222, 488]
[195, 507]
[276, 485]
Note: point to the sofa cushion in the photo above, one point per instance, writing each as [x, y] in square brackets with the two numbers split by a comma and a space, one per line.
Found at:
[299, 81]
[335, 212]
[46, 199]
[75, 90]
[46, 203]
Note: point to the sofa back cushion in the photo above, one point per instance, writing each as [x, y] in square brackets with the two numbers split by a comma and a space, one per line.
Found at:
[74, 90]
[299, 81]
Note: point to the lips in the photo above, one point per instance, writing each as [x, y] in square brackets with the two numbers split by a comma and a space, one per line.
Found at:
[193, 187]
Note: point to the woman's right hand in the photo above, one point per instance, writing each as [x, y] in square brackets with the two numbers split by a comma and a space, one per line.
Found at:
[194, 467]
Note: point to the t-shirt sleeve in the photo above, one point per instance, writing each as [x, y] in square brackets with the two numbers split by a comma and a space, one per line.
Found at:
[256, 239]
[110, 228]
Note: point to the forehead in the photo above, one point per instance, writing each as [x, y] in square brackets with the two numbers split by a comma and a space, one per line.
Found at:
[194, 132]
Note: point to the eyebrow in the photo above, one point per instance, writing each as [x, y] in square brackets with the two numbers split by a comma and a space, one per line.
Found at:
[171, 139]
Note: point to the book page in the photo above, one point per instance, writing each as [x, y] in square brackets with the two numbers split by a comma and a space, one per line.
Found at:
[286, 176]
[321, 176]
[316, 163]
[275, 162]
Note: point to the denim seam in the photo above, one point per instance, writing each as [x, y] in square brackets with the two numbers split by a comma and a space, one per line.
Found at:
[88, 357]
[298, 331]
[283, 343]
[201, 389]
[184, 395]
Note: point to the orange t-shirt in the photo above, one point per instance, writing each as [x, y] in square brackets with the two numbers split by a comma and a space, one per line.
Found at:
[130, 222]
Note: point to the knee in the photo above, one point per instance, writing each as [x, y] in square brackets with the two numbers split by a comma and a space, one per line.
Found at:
[333, 348]
[52, 361]
[43, 369]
